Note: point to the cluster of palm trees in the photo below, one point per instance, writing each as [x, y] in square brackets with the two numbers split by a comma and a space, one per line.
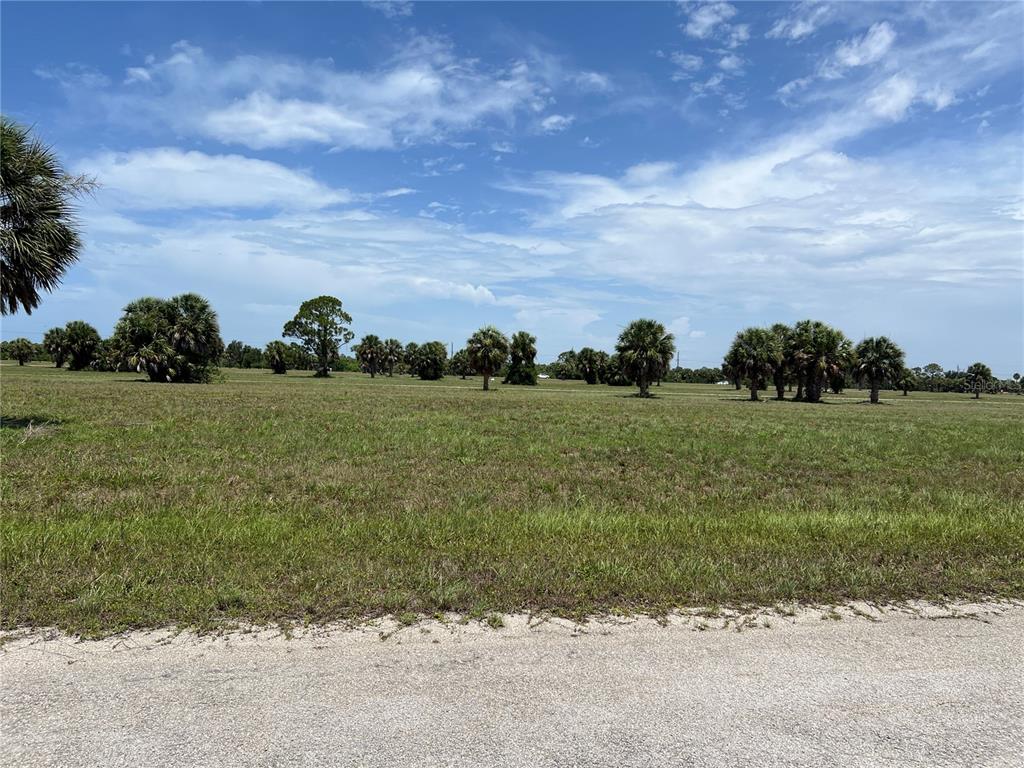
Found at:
[643, 356]
[814, 356]
[175, 339]
[377, 356]
[486, 352]
[77, 343]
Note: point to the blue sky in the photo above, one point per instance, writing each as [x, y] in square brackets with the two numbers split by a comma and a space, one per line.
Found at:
[561, 168]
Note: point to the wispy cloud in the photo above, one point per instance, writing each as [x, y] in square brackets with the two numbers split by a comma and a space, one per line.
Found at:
[171, 178]
[803, 21]
[705, 18]
[423, 94]
[391, 8]
[556, 123]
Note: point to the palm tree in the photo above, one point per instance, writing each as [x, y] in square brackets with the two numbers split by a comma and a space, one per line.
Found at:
[591, 364]
[82, 343]
[370, 353]
[431, 360]
[757, 353]
[276, 356]
[21, 350]
[645, 350]
[978, 375]
[459, 364]
[38, 237]
[55, 341]
[392, 355]
[522, 369]
[732, 368]
[488, 350]
[169, 340]
[820, 353]
[878, 358]
[411, 358]
[783, 371]
[906, 380]
[194, 333]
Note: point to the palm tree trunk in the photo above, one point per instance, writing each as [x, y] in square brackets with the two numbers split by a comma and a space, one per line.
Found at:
[753, 391]
[874, 391]
[487, 381]
[814, 387]
[977, 393]
[643, 385]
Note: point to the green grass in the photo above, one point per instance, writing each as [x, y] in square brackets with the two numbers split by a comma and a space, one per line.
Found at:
[265, 498]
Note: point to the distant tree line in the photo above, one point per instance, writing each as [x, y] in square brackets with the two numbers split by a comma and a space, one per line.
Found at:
[178, 340]
[597, 367]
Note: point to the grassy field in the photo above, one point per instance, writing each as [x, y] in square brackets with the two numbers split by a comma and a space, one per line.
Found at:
[267, 498]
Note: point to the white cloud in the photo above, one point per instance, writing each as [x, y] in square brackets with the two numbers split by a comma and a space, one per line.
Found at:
[867, 49]
[443, 289]
[137, 75]
[713, 84]
[399, 192]
[793, 87]
[439, 166]
[593, 81]
[687, 61]
[738, 35]
[680, 327]
[283, 257]
[390, 8]
[981, 51]
[556, 123]
[503, 147]
[705, 18]
[435, 208]
[731, 63]
[424, 93]
[796, 216]
[686, 65]
[262, 121]
[648, 173]
[892, 98]
[170, 178]
[939, 97]
[803, 21]
[74, 77]
[935, 63]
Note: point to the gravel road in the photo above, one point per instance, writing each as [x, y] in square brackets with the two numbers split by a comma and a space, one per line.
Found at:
[919, 685]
